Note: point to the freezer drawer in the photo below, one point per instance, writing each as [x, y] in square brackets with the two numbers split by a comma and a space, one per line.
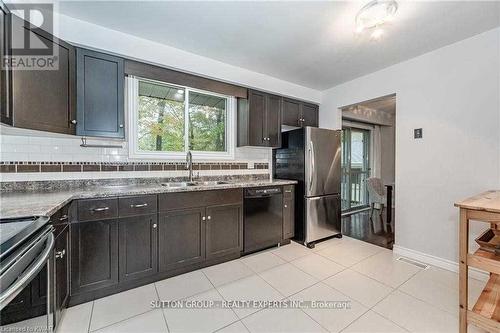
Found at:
[322, 216]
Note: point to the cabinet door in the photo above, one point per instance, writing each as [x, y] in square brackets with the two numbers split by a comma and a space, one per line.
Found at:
[310, 115]
[273, 121]
[288, 212]
[291, 113]
[61, 251]
[100, 94]
[257, 118]
[44, 99]
[224, 230]
[181, 238]
[94, 255]
[138, 246]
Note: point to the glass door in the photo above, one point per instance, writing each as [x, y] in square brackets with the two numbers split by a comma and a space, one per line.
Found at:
[355, 168]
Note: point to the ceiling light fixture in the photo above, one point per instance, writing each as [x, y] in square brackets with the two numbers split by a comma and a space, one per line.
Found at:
[374, 14]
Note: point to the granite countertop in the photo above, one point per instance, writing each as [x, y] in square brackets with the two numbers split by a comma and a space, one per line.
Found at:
[40, 203]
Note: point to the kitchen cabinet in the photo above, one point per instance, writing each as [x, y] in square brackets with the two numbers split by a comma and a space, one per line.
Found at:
[288, 212]
[259, 120]
[181, 238]
[94, 255]
[100, 94]
[61, 257]
[224, 232]
[137, 246]
[45, 99]
[298, 114]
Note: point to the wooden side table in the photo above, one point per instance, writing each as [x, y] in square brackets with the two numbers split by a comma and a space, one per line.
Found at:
[484, 207]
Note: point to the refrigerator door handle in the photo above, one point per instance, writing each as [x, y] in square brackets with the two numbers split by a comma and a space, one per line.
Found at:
[311, 169]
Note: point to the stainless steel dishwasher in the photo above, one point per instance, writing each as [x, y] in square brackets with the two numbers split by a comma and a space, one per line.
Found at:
[263, 218]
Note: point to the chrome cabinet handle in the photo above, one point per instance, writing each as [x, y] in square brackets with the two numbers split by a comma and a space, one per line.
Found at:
[288, 191]
[60, 254]
[121, 125]
[154, 226]
[63, 218]
[286, 206]
[73, 122]
[209, 217]
[203, 218]
[139, 206]
[100, 209]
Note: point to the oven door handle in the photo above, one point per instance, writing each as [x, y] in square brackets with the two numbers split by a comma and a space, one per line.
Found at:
[12, 291]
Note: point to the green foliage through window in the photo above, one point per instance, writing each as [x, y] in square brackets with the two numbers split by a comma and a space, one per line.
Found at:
[162, 119]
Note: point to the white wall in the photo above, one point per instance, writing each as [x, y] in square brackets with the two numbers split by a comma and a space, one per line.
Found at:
[453, 94]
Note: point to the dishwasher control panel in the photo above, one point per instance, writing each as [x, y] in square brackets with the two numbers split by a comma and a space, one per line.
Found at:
[262, 191]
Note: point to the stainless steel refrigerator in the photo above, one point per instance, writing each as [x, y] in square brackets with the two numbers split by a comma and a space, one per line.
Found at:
[312, 156]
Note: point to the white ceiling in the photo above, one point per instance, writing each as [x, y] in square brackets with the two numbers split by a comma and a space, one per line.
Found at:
[309, 43]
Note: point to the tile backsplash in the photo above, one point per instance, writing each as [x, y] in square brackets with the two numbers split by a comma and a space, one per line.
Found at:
[27, 152]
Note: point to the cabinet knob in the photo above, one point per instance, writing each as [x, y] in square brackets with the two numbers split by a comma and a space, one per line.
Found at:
[209, 217]
[60, 254]
[154, 226]
[203, 218]
[73, 122]
[121, 125]
[286, 206]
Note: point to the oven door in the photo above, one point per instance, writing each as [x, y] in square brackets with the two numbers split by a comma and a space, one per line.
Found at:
[26, 289]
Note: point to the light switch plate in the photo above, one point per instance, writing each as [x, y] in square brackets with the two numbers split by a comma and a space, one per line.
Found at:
[418, 133]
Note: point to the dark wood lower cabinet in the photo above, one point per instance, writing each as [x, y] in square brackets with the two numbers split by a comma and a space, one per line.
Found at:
[288, 212]
[224, 230]
[138, 246]
[94, 255]
[61, 257]
[181, 238]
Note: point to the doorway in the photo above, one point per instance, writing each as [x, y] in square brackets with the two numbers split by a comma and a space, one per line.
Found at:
[355, 168]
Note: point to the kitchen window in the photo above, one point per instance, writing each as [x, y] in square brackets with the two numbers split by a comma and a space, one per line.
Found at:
[168, 120]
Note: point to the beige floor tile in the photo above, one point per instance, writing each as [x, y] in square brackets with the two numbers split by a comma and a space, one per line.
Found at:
[416, 315]
[334, 320]
[118, 307]
[200, 319]
[288, 279]
[359, 287]
[227, 272]
[440, 288]
[76, 319]
[317, 266]
[384, 268]
[281, 320]
[183, 286]
[372, 322]
[292, 251]
[252, 288]
[149, 322]
[262, 261]
[350, 252]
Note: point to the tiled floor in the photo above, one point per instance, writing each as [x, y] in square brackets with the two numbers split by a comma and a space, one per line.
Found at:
[384, 295]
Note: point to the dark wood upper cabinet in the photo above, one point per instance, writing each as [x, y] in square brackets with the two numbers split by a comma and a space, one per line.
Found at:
[298, 114]
[94, 255]
[259, 120]
[309, 115]
[100, 94]
[181, 236]
[291, 112]
[138, 246]
[41, 99]
[224, 230]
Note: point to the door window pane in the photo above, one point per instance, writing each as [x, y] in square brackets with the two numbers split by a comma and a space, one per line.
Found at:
[160, 117]
[207, 122]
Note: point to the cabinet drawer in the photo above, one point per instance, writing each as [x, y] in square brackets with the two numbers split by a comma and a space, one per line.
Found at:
[287, 191]
[97, 209]
[140, 205]
[182, 200]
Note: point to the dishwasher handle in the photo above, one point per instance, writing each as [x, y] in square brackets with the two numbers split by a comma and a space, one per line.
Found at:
[262, 192]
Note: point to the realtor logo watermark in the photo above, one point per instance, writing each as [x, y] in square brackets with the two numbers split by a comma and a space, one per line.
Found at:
[30, 34]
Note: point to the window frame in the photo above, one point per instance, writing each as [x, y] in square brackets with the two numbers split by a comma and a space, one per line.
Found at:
[132, 92]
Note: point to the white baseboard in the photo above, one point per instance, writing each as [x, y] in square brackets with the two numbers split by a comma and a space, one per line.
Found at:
[438, 262]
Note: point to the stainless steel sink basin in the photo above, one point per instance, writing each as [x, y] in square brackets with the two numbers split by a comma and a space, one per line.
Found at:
[116, 187]
[187, 184]
[179, 184]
